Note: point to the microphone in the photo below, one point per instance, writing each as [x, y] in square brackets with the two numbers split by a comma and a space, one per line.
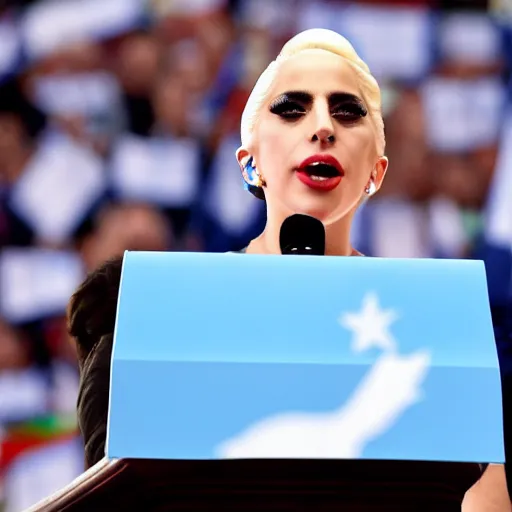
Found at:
[302, 234]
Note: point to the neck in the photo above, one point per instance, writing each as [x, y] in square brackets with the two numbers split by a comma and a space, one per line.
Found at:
[337, 237]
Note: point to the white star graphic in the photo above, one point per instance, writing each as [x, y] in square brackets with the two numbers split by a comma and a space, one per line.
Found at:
[370, 325]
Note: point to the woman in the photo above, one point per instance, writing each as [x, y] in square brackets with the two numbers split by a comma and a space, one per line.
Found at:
[313, 138]
[313, 143]
[91, 320]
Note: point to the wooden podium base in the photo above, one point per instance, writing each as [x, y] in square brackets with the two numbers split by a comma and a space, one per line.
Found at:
[266, 485]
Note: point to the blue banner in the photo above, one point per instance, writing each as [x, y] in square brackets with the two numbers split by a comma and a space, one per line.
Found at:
[251, 356]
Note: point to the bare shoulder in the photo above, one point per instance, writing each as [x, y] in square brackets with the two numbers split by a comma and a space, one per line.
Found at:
[490, 493]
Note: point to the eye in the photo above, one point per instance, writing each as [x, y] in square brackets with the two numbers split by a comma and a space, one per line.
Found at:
[349, 111]
[287, 109]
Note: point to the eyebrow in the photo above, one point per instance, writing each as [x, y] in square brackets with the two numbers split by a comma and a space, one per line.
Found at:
[306, 97]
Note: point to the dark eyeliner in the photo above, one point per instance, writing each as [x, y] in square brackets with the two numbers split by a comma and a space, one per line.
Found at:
[287, 109]
[350, 108]
[283, 104]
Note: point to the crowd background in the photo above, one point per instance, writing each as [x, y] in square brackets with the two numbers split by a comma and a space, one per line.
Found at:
[119, 120]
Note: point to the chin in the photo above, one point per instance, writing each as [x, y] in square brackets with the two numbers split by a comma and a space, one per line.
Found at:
[320, 212]
[327, 215]
[317, 213]
[319, 208]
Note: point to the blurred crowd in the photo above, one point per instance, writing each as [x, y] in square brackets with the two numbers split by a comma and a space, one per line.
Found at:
[119, 122]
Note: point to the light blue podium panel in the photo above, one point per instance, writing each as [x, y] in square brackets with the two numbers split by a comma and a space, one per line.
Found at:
[248, 356]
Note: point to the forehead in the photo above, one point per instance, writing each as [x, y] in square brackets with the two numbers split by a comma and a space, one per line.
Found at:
[317, 71]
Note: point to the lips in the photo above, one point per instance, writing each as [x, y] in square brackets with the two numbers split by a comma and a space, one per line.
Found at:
[320, 172]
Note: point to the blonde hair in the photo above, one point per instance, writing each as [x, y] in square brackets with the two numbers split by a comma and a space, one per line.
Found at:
[315, 39]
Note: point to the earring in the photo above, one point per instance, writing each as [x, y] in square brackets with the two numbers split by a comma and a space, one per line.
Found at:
[370, 189]
[251, 175]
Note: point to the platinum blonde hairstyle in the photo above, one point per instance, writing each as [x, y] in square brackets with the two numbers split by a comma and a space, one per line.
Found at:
[315, 39]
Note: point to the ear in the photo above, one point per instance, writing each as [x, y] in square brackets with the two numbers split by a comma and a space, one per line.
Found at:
[380, 172]
[242, 155]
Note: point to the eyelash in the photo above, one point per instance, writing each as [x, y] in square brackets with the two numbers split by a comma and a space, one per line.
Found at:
[292, 111]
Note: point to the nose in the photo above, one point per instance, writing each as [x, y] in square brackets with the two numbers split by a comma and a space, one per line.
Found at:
[323, 136]
[324, 127]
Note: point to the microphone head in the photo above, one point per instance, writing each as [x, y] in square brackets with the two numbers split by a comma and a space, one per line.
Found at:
[302, 234]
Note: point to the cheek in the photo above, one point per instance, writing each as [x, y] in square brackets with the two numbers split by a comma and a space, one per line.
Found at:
[358, 154]
[273, 154]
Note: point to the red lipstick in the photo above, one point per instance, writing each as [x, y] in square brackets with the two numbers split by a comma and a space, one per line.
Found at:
[320, 172]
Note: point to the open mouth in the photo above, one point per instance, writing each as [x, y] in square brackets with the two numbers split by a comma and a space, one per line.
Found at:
[321, 171]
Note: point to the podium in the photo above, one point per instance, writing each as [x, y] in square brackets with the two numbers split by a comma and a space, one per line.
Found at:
[278, 485]
[246, 381]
